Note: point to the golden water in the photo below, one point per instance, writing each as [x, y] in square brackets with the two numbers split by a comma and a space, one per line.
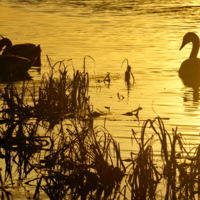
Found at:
[147, 33]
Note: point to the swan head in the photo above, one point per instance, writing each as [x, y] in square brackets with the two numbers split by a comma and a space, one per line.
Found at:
[189, 37]
[4, 42]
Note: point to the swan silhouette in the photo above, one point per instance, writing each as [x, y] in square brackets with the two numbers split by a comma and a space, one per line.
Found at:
[189, 70]
[13, 68]
[27, 50]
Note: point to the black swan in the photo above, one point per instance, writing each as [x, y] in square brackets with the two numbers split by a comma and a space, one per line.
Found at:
[27, 50]
[189, 70]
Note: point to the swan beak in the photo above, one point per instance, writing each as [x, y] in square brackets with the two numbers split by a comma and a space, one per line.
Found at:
[183, 44]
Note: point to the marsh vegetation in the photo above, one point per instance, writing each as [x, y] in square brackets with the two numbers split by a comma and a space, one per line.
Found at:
[49, 143]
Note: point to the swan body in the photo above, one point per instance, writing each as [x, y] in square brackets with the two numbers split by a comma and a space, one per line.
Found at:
[189, 70]
[14, 68]
[27, 50]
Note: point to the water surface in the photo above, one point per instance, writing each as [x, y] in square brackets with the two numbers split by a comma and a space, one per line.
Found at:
[148, 33]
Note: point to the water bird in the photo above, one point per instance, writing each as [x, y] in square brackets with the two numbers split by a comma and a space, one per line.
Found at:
[26, 50]
[189, 70]
[14, 68]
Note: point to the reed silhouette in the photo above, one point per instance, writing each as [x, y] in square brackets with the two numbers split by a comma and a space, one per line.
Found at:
[128, 76]
[74, 159]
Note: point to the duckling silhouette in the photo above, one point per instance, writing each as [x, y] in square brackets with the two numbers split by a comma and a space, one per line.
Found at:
[27, 50]
[13, 68]
[189, 70]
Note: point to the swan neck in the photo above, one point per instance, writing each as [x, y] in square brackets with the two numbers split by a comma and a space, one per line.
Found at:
[7, 43]
[195, 49]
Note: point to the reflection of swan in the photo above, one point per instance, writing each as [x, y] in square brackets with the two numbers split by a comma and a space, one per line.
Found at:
[189, 71]
[191, 95]
[14, 68]
[27, 50]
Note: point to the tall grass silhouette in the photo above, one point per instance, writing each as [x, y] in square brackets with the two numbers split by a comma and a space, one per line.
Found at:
[49, 143]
